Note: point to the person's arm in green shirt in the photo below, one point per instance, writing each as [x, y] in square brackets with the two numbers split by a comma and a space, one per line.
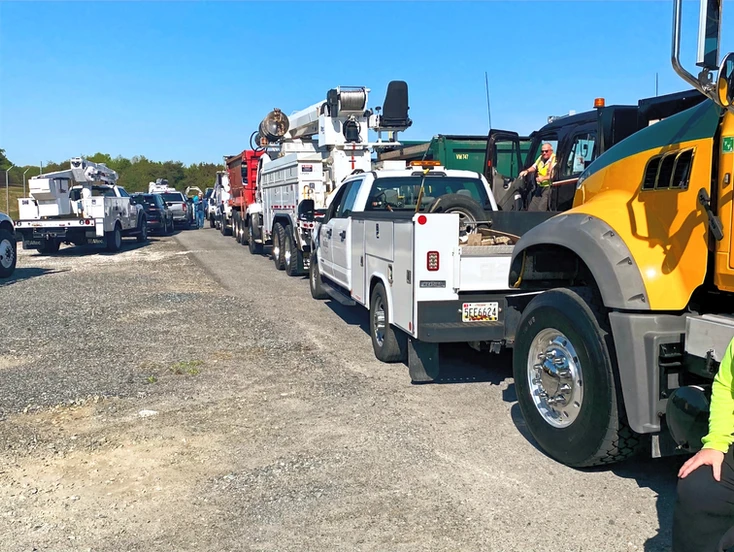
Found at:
[721, 421]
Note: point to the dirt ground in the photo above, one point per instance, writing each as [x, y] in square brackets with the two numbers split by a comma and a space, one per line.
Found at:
[185, 395]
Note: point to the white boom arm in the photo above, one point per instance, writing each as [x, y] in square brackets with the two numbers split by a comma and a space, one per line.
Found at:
[50, 191]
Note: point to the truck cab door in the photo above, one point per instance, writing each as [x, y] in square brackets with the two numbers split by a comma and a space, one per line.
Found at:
[326, 234]
[505, 152]
[341, 239]
[575, 152]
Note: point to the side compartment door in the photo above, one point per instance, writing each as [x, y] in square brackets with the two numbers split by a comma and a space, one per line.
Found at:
[326, 234]
[341, 239]
[505, 151]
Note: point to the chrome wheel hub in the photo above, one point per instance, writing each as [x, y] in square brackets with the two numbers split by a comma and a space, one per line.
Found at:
[555, 378]
[6, 253]
[378, 319]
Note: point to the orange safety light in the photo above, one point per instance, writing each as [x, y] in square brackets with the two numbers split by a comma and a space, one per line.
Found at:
[425, 163]
[599, 102]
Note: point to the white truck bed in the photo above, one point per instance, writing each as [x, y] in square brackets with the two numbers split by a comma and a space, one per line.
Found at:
[461, 295]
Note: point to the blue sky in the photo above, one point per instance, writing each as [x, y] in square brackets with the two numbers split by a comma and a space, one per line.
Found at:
[190, 81]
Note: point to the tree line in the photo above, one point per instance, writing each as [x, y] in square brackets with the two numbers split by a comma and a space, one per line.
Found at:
[133, 174]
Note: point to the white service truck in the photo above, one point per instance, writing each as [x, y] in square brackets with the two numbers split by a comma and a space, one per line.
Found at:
[8, 246]
[419, 249]
[307, 156]
[81, 205]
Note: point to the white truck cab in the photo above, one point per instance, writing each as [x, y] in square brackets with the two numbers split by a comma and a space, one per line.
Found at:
[415, 247]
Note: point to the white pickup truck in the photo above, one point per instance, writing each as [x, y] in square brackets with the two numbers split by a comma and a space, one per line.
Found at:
[418, 248]
[79, 215]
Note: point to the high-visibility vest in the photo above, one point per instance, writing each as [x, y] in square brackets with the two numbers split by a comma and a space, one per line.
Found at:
[543, 168]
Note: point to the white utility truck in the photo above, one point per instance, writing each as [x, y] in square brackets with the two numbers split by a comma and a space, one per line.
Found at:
[416, 247]
[160, 186]
[307, 156]
[219, 211]
[81, 205]
[8, 246]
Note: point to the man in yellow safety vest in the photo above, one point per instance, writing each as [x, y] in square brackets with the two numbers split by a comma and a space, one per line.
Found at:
[543, 167]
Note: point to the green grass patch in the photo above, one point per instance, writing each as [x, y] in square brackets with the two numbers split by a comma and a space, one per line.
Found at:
[191, 367]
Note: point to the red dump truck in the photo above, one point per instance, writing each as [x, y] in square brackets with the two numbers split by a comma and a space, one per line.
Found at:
[242, 172]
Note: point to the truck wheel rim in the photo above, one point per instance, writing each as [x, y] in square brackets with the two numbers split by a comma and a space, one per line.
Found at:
[555, 378]
[118, 238]
[288, 256]
[6, 254]
[378, 319]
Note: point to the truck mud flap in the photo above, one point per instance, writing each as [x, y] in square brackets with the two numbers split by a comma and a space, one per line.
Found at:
[423, 362]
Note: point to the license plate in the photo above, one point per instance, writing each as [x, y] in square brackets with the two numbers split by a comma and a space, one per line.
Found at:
[479, 312]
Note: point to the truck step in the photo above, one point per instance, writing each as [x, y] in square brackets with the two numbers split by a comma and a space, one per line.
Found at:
[337, 294]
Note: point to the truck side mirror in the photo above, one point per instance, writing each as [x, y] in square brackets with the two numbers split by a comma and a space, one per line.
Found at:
[725, 84]
[319, 215]
[306, 209]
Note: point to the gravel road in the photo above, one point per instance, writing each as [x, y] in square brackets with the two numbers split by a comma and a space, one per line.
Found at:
[185, 395]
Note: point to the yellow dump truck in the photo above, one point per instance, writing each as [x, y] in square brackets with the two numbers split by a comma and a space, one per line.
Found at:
[626, 301]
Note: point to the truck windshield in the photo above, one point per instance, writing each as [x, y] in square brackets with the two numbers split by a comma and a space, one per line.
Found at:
[401, 193]
[172, 197]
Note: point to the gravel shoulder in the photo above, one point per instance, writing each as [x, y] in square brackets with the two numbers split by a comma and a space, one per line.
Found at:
[185, 395]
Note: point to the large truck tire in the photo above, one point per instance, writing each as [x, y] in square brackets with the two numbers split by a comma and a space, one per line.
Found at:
[142, 235]
[469, 209]
[389, 343]
[245, 239]
[236, 231]
[278, 246]
[565, 371]
[254, 247]
[8, 253]
[114, 239]
[293, 258]
[314, 277]
[223, 228]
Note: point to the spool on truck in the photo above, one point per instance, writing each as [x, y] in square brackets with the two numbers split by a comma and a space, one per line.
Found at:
[81, 205]
[626, 300]
[304, 159]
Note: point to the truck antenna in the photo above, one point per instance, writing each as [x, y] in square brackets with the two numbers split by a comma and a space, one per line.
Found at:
[656, 85]
[486, 89]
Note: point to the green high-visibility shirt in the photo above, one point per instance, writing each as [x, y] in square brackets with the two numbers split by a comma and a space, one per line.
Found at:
[721, 418]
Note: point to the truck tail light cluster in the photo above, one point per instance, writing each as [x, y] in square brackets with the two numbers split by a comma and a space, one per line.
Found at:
[432, 263]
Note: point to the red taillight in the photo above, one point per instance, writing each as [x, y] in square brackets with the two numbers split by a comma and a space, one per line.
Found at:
[432, 261]
[422, 219]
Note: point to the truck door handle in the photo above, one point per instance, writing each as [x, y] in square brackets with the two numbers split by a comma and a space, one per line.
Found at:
[343, 235]
[328, 232]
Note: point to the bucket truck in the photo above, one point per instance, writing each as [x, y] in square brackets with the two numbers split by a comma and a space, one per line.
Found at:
[305, 157]
[81, 205]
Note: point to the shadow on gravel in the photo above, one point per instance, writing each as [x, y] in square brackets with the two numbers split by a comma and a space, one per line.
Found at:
[354, 316]
[657, 474]
[660, 475]
[21, 274]
[459, 362]
[86, 250]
